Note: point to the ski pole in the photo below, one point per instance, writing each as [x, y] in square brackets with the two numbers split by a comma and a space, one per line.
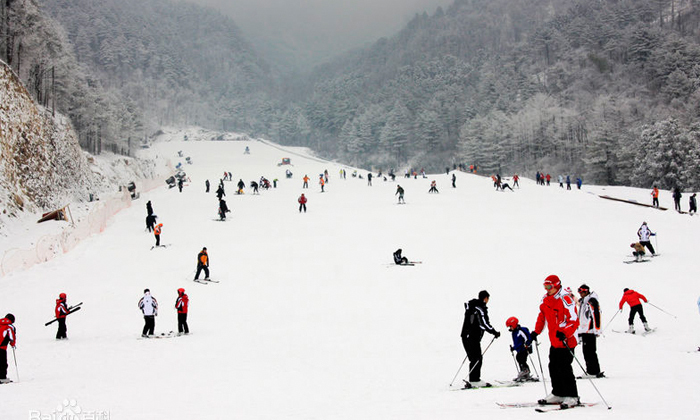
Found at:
[662, 310]
[586, 373]
[460, 368]
[517, 369]
[656, 242]
[539, 360]
[482, 356]
[533, 365]
[15, 357]
[610, 322]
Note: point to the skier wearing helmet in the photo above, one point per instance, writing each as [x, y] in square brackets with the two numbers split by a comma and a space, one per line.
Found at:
[8, 337]
[522, 346]
[181, 305]
[61, 312]
[558, 313]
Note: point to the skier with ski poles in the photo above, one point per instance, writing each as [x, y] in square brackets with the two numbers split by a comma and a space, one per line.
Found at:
[589, 329]
[61, 312]
[149, 306]
[476, 321]
[558, 314]
[633, 299]
[182, 304]
[8, 337]
[522, 346]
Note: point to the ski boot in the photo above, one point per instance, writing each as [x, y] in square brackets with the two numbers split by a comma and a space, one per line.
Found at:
[630, 330]
[646, 327]
[551, 399]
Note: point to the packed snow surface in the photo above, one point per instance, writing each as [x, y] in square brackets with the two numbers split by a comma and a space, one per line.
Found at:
[311, 320]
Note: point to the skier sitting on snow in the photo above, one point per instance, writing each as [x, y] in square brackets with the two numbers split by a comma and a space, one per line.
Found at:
[522, 345]
[638, 251]
[398, 259]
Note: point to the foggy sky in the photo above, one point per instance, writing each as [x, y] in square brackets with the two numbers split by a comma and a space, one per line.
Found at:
[308, 32]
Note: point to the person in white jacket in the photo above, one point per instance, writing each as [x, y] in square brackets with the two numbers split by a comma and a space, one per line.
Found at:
[149, 306]
[589, 316]
[645, 235]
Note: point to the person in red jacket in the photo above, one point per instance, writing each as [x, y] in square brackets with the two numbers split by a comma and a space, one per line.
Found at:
[61, 312]
[302, 203]
[558, 313]
[181, 305]
[633, 299]
[8, 337]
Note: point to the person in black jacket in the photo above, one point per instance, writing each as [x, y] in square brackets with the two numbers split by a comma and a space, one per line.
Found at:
[398, 259]
[476, 321]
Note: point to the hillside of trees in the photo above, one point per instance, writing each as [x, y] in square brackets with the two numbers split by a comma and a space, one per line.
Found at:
[604, 89]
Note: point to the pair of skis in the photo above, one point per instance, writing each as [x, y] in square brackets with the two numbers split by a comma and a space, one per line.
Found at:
[543, 408]
[74, 308]
[205, 281]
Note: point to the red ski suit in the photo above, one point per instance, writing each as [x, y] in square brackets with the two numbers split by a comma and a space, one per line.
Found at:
[632, 298]
[559, 313]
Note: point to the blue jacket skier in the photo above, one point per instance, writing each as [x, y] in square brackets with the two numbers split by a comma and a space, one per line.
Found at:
[522, 346]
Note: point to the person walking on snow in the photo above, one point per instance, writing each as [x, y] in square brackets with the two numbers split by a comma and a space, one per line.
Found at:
[182, 304]
[306, 181]
[516, 178]
[454, 180]
[302, 203]
[180, 183]
[677, 198]
[693, 205]
[476, 321]
[202, 264]
[589, 329]
[321, 182]
[655, 197]
[645, 234]
[149, 208]
[149, 306]
[522, 345]
[633, 299]
[223, 209]
[8, 337]
[206, 184]
[157, 231]
[558, 314]
[369, 179]
[399, 192]
[61, 313]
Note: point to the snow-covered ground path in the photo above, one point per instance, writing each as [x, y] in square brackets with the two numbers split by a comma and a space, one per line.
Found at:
[311, 320]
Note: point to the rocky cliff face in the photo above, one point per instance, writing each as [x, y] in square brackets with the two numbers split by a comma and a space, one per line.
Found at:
[41, 163]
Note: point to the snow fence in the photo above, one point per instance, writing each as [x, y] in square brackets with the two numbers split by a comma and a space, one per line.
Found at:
[50, 246]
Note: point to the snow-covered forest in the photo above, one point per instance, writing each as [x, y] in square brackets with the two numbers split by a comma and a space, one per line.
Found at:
[509, 85]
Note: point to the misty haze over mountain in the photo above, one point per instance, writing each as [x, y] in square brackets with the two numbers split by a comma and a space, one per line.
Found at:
[305, 33]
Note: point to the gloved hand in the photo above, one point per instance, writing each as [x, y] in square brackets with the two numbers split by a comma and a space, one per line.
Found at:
[496, 334]
[561, 336]
[533, 336]
[529, 349]
[511, 349]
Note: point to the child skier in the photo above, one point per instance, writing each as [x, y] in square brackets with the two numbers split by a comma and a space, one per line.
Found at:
[522, 345]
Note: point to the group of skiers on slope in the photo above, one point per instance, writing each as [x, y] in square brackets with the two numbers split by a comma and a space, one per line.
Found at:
[677, 195]
[568, 322]
[149, 306]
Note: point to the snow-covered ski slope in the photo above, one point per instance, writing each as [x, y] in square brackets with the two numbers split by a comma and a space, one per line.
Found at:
[311, 321]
